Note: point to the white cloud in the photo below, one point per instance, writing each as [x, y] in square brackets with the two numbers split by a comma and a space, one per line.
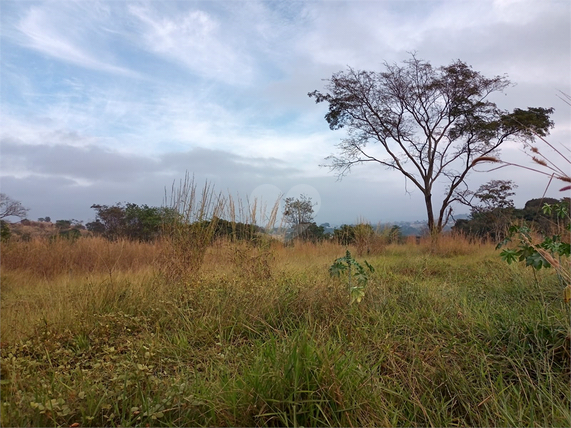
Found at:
[228, 82]
[59, 35]
[194, 39]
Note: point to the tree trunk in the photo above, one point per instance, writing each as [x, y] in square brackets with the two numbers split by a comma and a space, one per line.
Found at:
[429, 212]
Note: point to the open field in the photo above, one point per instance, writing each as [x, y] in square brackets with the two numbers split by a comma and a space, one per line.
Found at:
[93, 334]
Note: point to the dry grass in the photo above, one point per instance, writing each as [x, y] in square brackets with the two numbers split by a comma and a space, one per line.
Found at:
[445, 336]
[29, 303]
[52, 281]
[48, 258]
[453, 244]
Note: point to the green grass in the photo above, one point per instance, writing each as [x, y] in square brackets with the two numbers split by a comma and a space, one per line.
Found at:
[440, 339]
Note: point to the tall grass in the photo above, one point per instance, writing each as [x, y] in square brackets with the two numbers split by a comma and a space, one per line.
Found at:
[191, 232]
[49, 258]
[265, 337]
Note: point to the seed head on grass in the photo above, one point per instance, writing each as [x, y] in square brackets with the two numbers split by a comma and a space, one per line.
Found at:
[485, 159]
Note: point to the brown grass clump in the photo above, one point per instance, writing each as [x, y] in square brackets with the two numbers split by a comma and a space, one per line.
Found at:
[49, 258]
[189, 234]
[451, 244]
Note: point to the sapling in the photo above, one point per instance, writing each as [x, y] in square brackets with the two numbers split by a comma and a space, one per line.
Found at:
[357, 278]
[551, 252]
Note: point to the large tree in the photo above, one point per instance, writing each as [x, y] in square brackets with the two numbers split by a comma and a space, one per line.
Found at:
[429, 123]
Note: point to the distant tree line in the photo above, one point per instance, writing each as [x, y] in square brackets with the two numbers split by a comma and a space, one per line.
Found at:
[129, 221]
[493, 224]
[146, 223]
[491, 217]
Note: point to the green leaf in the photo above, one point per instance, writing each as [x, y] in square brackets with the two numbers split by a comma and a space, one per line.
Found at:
[561, 210]
[536, 261]
[503, 243]
[509, 256]
[337, 268]
[357, 294]
[513, 229]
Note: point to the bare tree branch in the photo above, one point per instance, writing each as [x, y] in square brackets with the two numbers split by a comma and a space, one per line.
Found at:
[11, 208]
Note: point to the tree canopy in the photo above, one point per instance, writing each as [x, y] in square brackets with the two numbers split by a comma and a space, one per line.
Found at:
[132, 221]
[492, 215]
[430, 124]
[298, 215]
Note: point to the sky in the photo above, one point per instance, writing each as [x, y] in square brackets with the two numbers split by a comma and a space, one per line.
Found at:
[114, 101]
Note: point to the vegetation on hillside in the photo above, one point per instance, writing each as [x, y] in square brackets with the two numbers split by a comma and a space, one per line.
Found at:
[494, 223]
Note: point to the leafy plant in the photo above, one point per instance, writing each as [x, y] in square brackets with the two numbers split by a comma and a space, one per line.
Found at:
[357, 276]
[5, 231]
[548, 253]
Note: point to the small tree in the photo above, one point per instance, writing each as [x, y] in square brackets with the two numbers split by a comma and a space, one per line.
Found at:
[395, 235]
[145, 223]
[431, 124]
[113, 219]
[11, 208]
[493, 215]
[345, 235]
[298, 215]
[63, 224]
[315, 233]
[96, 227]
[494, 195]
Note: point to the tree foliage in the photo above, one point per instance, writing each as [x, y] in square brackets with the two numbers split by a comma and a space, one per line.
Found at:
[298, 210]
[5, 232]
[494, 195]
[131, 221]
[430, 124]
[495, 223]
[234, 231]
[298, 216]
[344, 235]
[145, 223]
[492, 216]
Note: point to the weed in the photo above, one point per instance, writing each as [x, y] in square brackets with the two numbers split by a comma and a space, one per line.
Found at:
[355, 273]
[551, 252]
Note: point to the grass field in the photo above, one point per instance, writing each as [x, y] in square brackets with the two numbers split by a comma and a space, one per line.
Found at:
[448, 335]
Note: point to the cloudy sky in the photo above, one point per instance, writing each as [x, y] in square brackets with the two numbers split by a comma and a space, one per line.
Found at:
[111, 101]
